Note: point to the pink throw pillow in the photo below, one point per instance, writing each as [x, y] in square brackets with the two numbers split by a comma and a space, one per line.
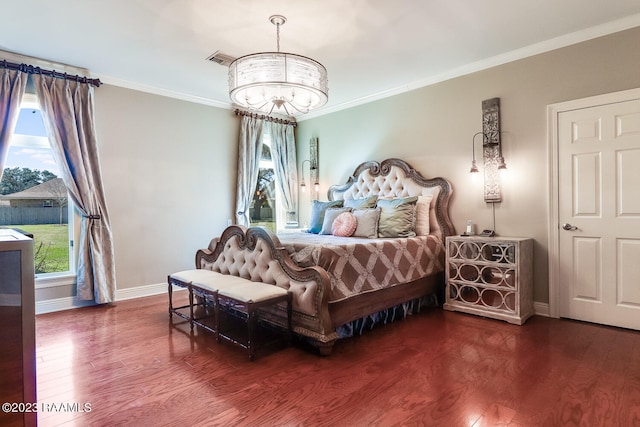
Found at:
[344, 225]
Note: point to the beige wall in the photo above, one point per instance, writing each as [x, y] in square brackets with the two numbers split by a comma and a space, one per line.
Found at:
[432, 128]
[168, 168]
[169, 176]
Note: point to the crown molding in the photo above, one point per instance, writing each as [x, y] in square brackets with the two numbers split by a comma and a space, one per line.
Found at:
[514, 55]
[155, 90]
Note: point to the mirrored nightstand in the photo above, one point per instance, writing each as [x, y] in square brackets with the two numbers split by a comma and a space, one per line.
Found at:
[490, 276]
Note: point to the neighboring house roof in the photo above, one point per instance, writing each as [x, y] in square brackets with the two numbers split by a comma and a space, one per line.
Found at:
[54, 188]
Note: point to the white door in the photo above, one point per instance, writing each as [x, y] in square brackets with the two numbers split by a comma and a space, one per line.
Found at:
[599, 214]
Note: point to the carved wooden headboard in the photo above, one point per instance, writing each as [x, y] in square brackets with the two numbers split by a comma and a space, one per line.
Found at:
[396, 178]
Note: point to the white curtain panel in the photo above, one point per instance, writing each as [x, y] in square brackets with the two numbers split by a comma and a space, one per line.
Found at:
[283, 148]
[249, 152]
[12, 88]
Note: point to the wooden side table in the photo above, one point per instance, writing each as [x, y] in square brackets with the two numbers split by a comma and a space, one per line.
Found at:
[490, 277]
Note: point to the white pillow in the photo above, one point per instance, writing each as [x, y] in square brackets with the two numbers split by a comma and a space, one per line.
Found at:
[367, 222]
[422, 215]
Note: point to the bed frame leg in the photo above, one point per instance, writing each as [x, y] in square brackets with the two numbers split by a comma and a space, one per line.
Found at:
[325, 348]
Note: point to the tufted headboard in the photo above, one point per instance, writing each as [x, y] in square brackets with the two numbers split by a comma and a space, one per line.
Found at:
[396, 178]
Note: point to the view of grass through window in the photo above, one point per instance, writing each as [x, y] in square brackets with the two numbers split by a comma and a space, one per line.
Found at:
[50, 246]
[33, 199]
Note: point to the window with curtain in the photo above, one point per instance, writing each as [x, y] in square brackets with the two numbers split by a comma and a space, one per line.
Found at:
[264, 207]
[66, 102]
[267, 173]
[34, 199]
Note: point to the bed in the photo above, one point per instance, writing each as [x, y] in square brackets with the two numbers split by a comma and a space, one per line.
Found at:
[339, 282]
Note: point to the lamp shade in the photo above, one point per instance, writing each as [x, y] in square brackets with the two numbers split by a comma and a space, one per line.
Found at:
[278, 81]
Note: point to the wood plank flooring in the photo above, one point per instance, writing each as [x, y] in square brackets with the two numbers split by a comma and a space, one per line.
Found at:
[128, 365]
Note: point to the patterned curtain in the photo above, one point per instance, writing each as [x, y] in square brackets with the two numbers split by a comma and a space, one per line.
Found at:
[249, 152]
[12, 85]
[283, 148]
[68, 113]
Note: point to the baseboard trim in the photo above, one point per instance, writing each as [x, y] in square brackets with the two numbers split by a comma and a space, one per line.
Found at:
[141, 291]
[541, 309]
[60, 304]
[68, 303]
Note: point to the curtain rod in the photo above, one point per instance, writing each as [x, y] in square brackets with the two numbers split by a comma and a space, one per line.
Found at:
[30, 69]
[267, 118]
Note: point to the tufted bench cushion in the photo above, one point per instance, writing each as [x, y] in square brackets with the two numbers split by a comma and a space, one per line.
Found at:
[189, 276]
[251, 292]
[214, 281]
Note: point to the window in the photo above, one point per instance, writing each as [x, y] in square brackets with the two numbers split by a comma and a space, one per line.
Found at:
[267, 207]
[264, 211]
[34, 199]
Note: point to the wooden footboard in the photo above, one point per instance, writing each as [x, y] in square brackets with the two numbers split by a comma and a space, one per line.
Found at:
[256, 254]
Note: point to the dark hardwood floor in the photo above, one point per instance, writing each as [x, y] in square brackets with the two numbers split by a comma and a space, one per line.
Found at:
[131, 366]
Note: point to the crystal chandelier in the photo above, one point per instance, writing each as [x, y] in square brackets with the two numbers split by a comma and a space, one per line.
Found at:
[287, 83]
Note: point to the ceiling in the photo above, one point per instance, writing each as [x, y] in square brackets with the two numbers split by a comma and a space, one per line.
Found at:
[371, 48]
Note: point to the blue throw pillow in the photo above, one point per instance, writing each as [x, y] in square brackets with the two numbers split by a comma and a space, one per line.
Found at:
[317, 214]
[366, 202]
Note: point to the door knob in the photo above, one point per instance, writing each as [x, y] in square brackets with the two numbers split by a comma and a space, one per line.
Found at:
[569, 227]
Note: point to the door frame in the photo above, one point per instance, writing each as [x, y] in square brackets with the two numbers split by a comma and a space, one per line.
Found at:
[553, 111]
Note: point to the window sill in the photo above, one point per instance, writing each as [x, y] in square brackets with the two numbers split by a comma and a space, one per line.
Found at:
[53, 280]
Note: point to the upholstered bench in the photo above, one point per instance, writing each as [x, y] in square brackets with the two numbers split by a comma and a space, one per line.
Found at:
[230, 294]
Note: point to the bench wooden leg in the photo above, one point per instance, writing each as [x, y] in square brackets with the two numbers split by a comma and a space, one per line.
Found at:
[173, 310]
[216, 316]
[251, 325]
[191, 307]
[289, 317]
[170, 292]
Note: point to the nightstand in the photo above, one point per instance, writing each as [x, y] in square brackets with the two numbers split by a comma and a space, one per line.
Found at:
[490, 277]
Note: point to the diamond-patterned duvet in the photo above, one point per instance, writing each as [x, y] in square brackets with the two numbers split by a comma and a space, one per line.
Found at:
[357, 265]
